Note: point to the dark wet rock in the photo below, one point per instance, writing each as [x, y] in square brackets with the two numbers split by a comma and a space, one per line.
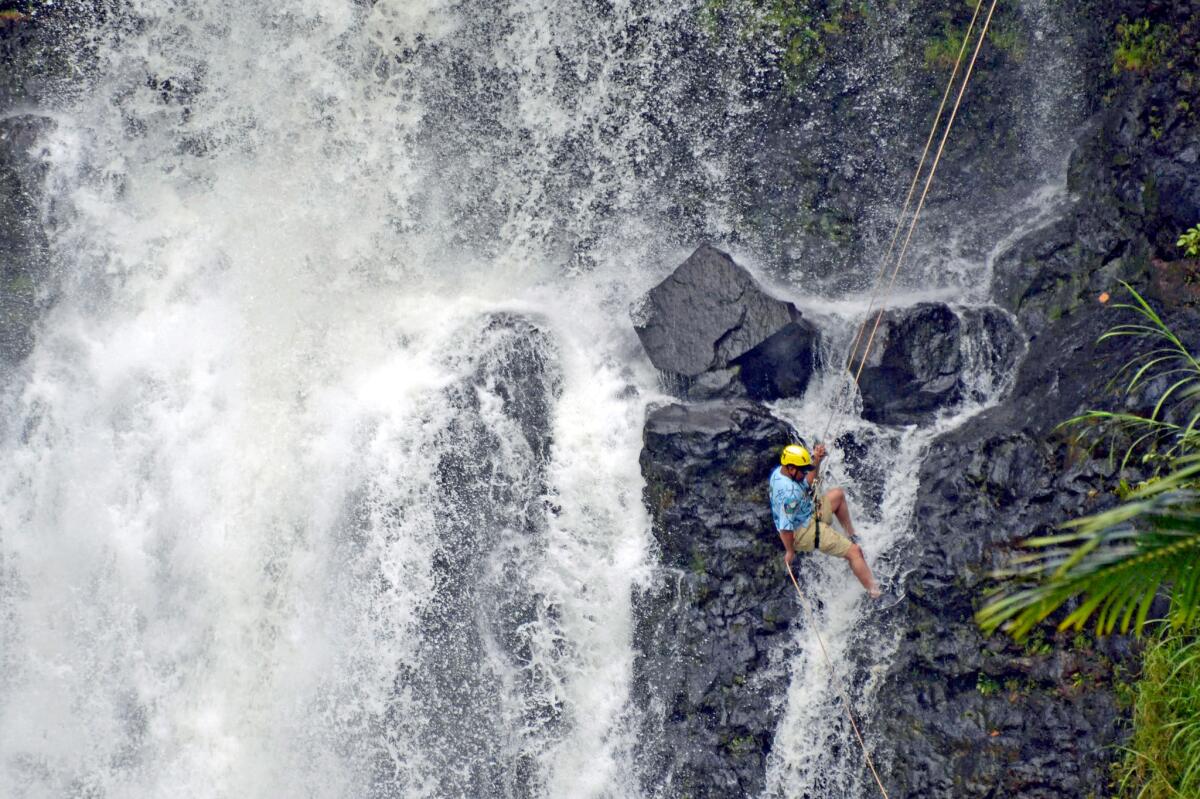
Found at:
[913, 367]
[921, 355]
[490, 523]
[717, 608]
[956, 714]
[23, 244]
[1059, 269]
[868, 456]
[965, 716]
[1134, 187]
[714, 333]
[991, 346]
[984, 710]
[782, 365]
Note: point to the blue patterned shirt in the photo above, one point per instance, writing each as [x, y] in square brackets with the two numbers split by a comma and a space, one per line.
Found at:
[791, 502]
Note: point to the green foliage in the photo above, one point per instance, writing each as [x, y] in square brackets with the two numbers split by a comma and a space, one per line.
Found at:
[942, 51]
[741, 745]
[985, 685]
[1162, 758]
[1118, 561]
[1189, 242]
[1140, 45]
[800, 30]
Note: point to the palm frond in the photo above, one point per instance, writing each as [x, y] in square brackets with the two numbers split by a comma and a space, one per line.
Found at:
[1116, 563]
[1113, 565]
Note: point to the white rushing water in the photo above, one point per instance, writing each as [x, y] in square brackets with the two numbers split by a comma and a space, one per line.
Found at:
[322, 479]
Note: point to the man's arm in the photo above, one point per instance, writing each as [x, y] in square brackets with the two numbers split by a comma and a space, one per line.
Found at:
[788, 537]
[818, 455]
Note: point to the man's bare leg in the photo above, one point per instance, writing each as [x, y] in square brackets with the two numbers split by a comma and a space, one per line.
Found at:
[858, 565]
[840, 508]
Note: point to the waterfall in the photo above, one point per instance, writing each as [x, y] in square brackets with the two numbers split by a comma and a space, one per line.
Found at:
[322, 476]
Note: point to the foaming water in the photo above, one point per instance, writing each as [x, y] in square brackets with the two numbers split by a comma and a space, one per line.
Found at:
[815, 752]
[307, 492]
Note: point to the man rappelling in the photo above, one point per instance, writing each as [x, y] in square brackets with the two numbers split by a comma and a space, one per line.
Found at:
[803, 527]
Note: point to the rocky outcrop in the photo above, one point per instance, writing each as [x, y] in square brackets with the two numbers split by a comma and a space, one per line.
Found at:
[955, 714]
[718, 609]
[964, 716]
[1134, 182]
[713, 332]
[924, 358]
[481, 608]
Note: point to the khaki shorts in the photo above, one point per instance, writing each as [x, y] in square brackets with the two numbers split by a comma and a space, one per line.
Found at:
[832, 542]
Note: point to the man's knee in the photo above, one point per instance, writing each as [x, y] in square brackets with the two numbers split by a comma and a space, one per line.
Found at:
[854, 552]
[835, 495]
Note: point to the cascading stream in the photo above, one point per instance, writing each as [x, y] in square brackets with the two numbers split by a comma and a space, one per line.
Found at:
[322, 478]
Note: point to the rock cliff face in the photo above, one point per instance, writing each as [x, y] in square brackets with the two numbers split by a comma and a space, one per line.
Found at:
[719, 606]
[961, 715]
[964, 716]
[22, 241]
[955, 714]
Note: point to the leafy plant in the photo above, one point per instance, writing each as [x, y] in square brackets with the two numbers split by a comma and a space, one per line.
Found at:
[985, 685]
[942, 51]
[1140, 45]
[1118, 561]
[800, 30]
[1189, 241]
[1162, 758]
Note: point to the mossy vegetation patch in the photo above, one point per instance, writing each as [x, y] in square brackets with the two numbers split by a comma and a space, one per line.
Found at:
[799, 32]
[1163, 755]
[1141, 45]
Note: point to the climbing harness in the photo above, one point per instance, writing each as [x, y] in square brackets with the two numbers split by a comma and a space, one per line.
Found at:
[870, 340]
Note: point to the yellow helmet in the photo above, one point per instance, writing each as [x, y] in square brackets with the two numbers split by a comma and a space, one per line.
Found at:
[795, 455]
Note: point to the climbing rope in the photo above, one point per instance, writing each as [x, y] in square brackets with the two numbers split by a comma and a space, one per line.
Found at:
[912, 189]
[879, 318]
[837, 407]
[812, 620]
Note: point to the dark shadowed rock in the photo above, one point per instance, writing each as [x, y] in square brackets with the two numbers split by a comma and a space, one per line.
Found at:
[975, 717]
[913, 367]
[918, 362]
[961, 715]
[491, 474]
[782, 365]
[23, 244]
[713, 332]
[717, 607]
[868, 456]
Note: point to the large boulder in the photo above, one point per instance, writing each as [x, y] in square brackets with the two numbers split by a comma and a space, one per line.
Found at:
[713, 332]
[713, 623]
[929, 358]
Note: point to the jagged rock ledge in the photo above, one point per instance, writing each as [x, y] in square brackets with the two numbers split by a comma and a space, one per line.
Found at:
[718, 610]
[713, 332]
